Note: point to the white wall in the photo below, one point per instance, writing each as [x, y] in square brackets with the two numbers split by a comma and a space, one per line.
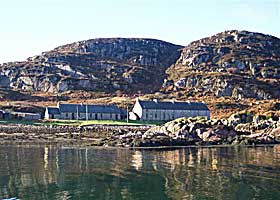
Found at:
[165, 115]
[92, 116]
[137, 109]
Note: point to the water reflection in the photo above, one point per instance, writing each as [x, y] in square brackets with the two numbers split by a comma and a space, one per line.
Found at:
[136, 160]
[50, 172]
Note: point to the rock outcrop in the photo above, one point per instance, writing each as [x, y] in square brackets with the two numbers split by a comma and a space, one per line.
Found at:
[241, 128]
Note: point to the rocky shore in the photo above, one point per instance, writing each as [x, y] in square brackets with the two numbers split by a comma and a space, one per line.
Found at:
[199, 131]
[240, 129]
[96, 135]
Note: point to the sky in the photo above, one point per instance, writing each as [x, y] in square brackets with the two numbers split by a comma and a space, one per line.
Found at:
[29, 27]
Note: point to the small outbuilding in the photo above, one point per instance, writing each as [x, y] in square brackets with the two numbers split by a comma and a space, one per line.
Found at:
[167, 110]
[26, 116]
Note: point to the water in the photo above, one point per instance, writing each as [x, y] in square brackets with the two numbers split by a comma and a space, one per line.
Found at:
[49, 172]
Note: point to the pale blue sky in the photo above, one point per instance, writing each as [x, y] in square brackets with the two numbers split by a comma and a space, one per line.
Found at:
[29, 27]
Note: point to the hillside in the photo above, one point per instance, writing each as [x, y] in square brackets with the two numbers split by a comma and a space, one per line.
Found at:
[107, 64]
[238, 64]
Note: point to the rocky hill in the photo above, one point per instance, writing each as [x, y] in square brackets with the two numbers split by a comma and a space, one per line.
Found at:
[238, 64]
[94, 65]
[232, 63]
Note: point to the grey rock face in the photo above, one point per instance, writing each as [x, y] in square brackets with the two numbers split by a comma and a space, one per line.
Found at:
[181, 83]
[4, 81]
[227, 85]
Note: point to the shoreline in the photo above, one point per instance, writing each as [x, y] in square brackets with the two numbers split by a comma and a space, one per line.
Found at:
[82, 145]
[99, 137]
[182, 132]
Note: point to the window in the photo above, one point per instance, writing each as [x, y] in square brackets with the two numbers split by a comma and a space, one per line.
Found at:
[155, 115]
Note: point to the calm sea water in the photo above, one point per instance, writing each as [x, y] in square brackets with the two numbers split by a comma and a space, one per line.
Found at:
[49, 172]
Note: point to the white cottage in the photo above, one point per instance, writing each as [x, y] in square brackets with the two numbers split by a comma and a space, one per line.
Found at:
[165, 111]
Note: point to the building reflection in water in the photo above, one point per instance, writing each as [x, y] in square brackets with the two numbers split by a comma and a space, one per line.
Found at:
[136, 160]
[60, 173]
[46, 157]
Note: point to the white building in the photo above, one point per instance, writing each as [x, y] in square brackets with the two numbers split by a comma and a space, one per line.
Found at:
[165, 111]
